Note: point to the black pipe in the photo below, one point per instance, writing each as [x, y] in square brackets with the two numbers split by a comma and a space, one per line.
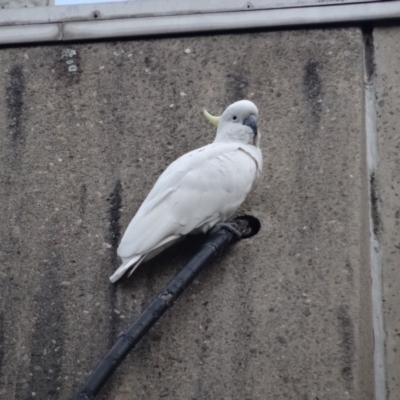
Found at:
[246, 225]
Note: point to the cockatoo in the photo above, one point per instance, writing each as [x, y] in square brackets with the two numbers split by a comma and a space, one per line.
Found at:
[199, 190]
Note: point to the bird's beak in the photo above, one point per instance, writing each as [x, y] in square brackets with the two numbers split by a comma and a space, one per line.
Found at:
[251, 121]
[211, 118]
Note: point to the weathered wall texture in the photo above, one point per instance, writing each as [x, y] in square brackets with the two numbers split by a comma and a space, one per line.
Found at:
[84, 135]
[25, 3]
[387, 60]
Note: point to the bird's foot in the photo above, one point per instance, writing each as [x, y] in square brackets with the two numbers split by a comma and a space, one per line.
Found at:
[229, 226]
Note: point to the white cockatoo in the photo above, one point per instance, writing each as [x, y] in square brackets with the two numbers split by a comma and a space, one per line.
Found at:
[197, 191]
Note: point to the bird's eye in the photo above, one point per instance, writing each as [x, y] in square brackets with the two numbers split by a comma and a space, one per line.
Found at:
[234, 117]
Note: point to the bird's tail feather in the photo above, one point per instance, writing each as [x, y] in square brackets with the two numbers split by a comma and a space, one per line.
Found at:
[133, 263]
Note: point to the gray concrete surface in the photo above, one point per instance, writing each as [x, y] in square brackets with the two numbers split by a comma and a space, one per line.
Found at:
[387, 60]
[25, 3]
[84, 135]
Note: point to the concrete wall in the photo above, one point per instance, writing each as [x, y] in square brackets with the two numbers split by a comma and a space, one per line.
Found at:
[25, 3]
[387, 60]
[85, 131]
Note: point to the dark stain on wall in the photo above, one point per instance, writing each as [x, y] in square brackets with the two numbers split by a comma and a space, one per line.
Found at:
[113, 237]
[2, 342]
[47, 340]
[114, 216]
[369, 50]
[82, 200]
[374, 198]
[15, 105]
[346, 332]
[236, 87]
[313, 90]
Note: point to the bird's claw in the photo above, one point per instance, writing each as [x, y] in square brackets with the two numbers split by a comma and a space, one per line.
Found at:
[229, 226]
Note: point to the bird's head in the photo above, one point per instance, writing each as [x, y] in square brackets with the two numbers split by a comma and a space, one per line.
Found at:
[238, 123]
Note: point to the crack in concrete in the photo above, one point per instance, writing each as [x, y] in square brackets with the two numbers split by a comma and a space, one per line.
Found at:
[374, 220]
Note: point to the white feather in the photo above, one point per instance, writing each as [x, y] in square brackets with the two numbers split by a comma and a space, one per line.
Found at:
[197, 191]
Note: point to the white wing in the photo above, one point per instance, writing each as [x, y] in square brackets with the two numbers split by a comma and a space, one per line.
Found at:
[197, 191]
